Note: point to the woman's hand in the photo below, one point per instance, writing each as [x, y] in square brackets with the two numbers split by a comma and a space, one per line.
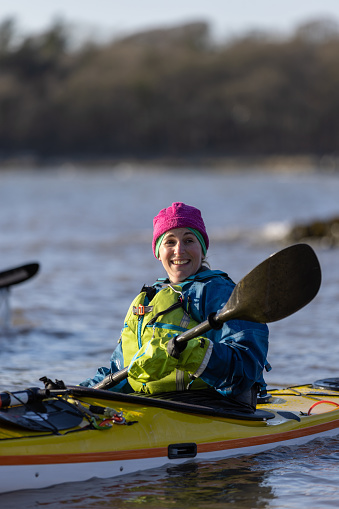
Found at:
[159, 357]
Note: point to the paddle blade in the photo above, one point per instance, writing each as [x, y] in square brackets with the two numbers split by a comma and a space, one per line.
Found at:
[18, 274]
[278, 287]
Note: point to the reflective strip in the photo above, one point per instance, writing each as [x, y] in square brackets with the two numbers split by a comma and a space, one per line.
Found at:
[185, 320]
[204, 363]
[180, 380]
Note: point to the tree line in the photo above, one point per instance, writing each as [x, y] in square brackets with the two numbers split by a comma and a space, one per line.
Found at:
[170, 92]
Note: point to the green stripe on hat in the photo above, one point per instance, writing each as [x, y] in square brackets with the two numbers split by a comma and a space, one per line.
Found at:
[196, 233]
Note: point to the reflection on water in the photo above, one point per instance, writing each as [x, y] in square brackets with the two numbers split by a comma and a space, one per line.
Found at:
[227, 484]
[91, 233]
[5, 310]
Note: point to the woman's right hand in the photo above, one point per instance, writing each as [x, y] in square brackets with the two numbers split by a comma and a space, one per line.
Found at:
[155, 359]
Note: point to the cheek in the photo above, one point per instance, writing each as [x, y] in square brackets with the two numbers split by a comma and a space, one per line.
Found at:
[197, 253]
[163, 255]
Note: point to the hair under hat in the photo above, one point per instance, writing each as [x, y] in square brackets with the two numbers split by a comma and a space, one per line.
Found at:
[179, 215]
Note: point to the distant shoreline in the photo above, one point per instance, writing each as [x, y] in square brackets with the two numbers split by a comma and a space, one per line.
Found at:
[271, 163]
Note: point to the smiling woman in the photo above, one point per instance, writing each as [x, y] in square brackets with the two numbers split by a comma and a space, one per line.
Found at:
[229, 359]
[180, 253]
[180, 240]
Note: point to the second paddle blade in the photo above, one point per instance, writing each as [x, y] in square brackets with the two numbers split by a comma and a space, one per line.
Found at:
[278, 287]
[18, 274]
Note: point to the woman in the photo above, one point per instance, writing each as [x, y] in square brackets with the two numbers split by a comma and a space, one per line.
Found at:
[230, 359]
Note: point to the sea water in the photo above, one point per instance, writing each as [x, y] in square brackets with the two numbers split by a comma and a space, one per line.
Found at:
[90, 230]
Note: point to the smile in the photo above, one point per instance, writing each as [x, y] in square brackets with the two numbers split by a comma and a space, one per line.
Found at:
[180, 262]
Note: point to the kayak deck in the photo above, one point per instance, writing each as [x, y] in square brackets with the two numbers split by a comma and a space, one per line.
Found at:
[153, 432]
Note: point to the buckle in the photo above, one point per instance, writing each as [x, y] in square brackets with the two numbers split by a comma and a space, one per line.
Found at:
[141, 310]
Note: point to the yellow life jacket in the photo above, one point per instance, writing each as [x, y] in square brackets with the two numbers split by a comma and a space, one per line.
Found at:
[163, 315]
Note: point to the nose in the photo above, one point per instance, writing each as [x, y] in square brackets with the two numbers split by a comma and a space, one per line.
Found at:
[179, 247]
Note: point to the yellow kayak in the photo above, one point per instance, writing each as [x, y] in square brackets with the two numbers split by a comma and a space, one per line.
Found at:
[83, 433]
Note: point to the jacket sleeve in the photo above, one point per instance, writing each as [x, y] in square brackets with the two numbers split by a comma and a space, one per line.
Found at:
[239, 348]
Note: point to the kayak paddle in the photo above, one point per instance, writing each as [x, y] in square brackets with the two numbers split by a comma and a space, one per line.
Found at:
[278, 287]
[18, 274]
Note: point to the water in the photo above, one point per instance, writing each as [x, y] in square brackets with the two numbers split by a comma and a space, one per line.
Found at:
[91, 233]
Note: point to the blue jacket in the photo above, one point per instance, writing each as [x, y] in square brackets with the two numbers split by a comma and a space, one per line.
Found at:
[239, 348]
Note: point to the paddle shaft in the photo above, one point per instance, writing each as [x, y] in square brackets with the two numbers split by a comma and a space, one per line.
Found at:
[278, 287]
[114, 378]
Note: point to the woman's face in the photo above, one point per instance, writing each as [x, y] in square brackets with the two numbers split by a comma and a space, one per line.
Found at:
[180, 253]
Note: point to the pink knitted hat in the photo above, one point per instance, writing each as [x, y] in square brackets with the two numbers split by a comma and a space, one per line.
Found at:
[178, 215]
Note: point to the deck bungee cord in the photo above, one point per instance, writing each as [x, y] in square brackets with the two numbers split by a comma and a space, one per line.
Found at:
[38, 410]
[317, 396]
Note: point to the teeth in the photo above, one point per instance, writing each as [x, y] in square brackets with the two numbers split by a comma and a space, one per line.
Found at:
[179, 262]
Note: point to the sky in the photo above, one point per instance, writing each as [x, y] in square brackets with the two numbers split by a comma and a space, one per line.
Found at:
[113, 18]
